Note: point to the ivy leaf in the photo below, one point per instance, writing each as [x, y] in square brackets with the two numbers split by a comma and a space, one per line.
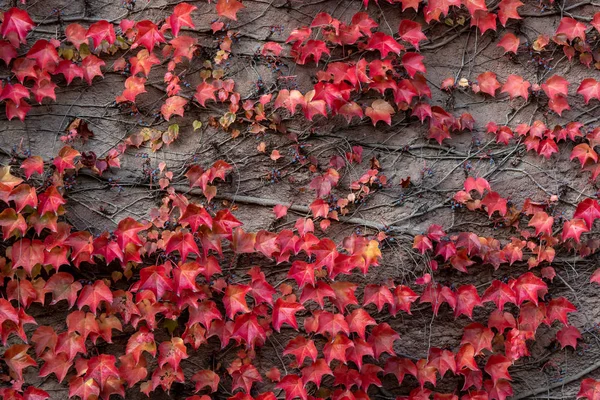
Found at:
[173, 105]
[229, 8]
[583, 152]
[70, 70]
[172, 352]
[27, 253]
[466, 299]
[497, 367]
[133, 87]
[379, 295]
[484, 21]
[568, 336]
[510, 43]
[65, 159]
[542, 223]
[589, 89]
[44, 53]
[315, 372]
[206, 378]
[589, 389]
[555, 86]
[425, 372]
[516, 86]
[143, 62]
[572, 229]
[235, 299]
[529, 287]
[285, 312]
[17, 359]
[91, 68]
[63, 287]
[508, 10]
[413, 63]
[148, 35]
[588, 210]
[384, 44]
[382, 339]
[400, 367]
[478, 336]
[76, 34]
[99, 31]
[558, 308]
[293, 387]
[14, 93]
[494, 202]
[58, 364]
[380, 110]
[16, 24]
[244, 377]
[337, 348]
[92, 295]
[411, 32]
[101, 368]
[181, 16]
[301, 348]
[488, 83]
[571, 28]
[358, 320]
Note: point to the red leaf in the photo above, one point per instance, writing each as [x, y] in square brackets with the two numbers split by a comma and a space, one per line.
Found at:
[515, 86]
[529, 287]
[488, 83]
[384, 44]
[15, 25]
[589, 89]
[413, 63]
[92, 295]
[542, 223]
[411, 32]
[508, 10]
[172, 352]
[583, 152]
[478, 336]
[493, 202]
[173, 105]
[17, 359]
[293, 387]
[571, 28]
[315, 372]
[589, 389]
[14, 93]
[229, 8]
[556, 85]
[497, 367]
[91, 68]
[380, 110]
[573, 229]
[44, 53]
[568, 336]
[148, 35]
[588, 210]
[558, 308]
[181, 17]
[285, 312]
[382, 339]
[99, 31]
[301, 348]
[206, 378]
[484, 21]
[466, 299]
[133, 86]
[337, 348]
[358, 320]
[510, 43]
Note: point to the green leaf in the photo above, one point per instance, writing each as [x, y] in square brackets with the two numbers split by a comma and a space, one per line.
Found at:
[197, 125]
